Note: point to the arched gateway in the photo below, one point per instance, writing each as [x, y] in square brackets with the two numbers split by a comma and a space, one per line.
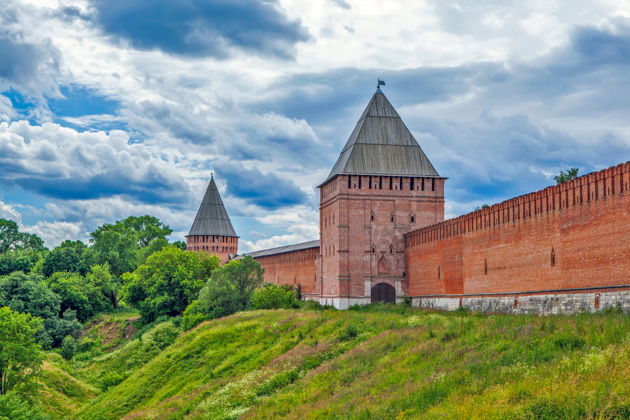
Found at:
[383, 292]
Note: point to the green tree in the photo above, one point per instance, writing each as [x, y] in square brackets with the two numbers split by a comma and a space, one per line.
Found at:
[70, 256]
[272, 296]
[147, 228]
[167, 282]
[19, 260]
[570, 174]
[228, 290]
[216, 299]
[105, 287]
[68, 347]
[153, 247]
[115, 247]
[86, 295]
[27, 293]
[20, 355]
[12, 239]
[180, 245]
[246, 274]
[74, 293]
[55, 329]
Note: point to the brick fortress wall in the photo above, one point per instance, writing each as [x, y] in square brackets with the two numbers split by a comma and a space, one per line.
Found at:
[292, 268]
[575, 235]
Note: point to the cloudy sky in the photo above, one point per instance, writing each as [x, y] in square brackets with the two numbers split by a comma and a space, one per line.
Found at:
[111, 108]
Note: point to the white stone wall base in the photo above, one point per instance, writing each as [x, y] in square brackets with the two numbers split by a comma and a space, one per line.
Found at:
[344, 303]
[569, 303]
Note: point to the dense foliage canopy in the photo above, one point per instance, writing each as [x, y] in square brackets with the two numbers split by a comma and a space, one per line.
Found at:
[12, 239]
[20, 355]
[168, 282]
[227, 291]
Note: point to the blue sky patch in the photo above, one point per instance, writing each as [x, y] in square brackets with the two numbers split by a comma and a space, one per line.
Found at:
[79, 101]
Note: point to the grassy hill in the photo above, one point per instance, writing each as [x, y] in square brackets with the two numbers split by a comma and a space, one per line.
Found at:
[374, 363]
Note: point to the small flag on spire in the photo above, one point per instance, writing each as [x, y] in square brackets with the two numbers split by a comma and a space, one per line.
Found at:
[380, 83]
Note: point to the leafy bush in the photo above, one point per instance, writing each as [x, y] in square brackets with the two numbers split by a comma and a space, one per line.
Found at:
[68, 347]
[272, 296]
[16, 407]
[228, 290]
[55, 329]
[111, 379]
[216, 299]
[162, 335]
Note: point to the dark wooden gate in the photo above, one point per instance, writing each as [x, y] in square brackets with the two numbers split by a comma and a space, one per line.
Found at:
[383, 292]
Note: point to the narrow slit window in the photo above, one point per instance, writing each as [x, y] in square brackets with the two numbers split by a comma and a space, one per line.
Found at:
[485, 266]
[553, 257]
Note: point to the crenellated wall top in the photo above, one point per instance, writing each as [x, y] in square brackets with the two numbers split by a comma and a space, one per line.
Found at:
[610, 182]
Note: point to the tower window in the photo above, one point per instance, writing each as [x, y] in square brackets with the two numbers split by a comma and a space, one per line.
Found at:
[360, 181]
[422, 186]
[439, 273]
[485, 266]
[412, 219]
[380, 183]
[412, 183]
[391, 181]
[372, 216]
[392, 218]
[391, 249]
[432, 184]
[401, 183]
[349, 181]
[553, 257]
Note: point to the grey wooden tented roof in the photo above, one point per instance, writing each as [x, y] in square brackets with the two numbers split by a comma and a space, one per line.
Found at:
[212, 218]
[381, 144]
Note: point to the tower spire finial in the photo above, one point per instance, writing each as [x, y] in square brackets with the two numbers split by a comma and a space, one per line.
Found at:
[379, 84]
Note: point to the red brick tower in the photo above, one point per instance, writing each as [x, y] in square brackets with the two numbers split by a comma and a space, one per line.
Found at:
[382, 186]
[212, 230]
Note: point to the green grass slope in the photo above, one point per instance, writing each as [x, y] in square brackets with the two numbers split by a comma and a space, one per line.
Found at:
[60, 393]
[381, 364]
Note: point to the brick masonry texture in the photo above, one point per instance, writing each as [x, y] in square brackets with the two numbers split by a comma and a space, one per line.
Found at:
[573, 235]
[292, 268]
[222, 246]
[531, 252]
